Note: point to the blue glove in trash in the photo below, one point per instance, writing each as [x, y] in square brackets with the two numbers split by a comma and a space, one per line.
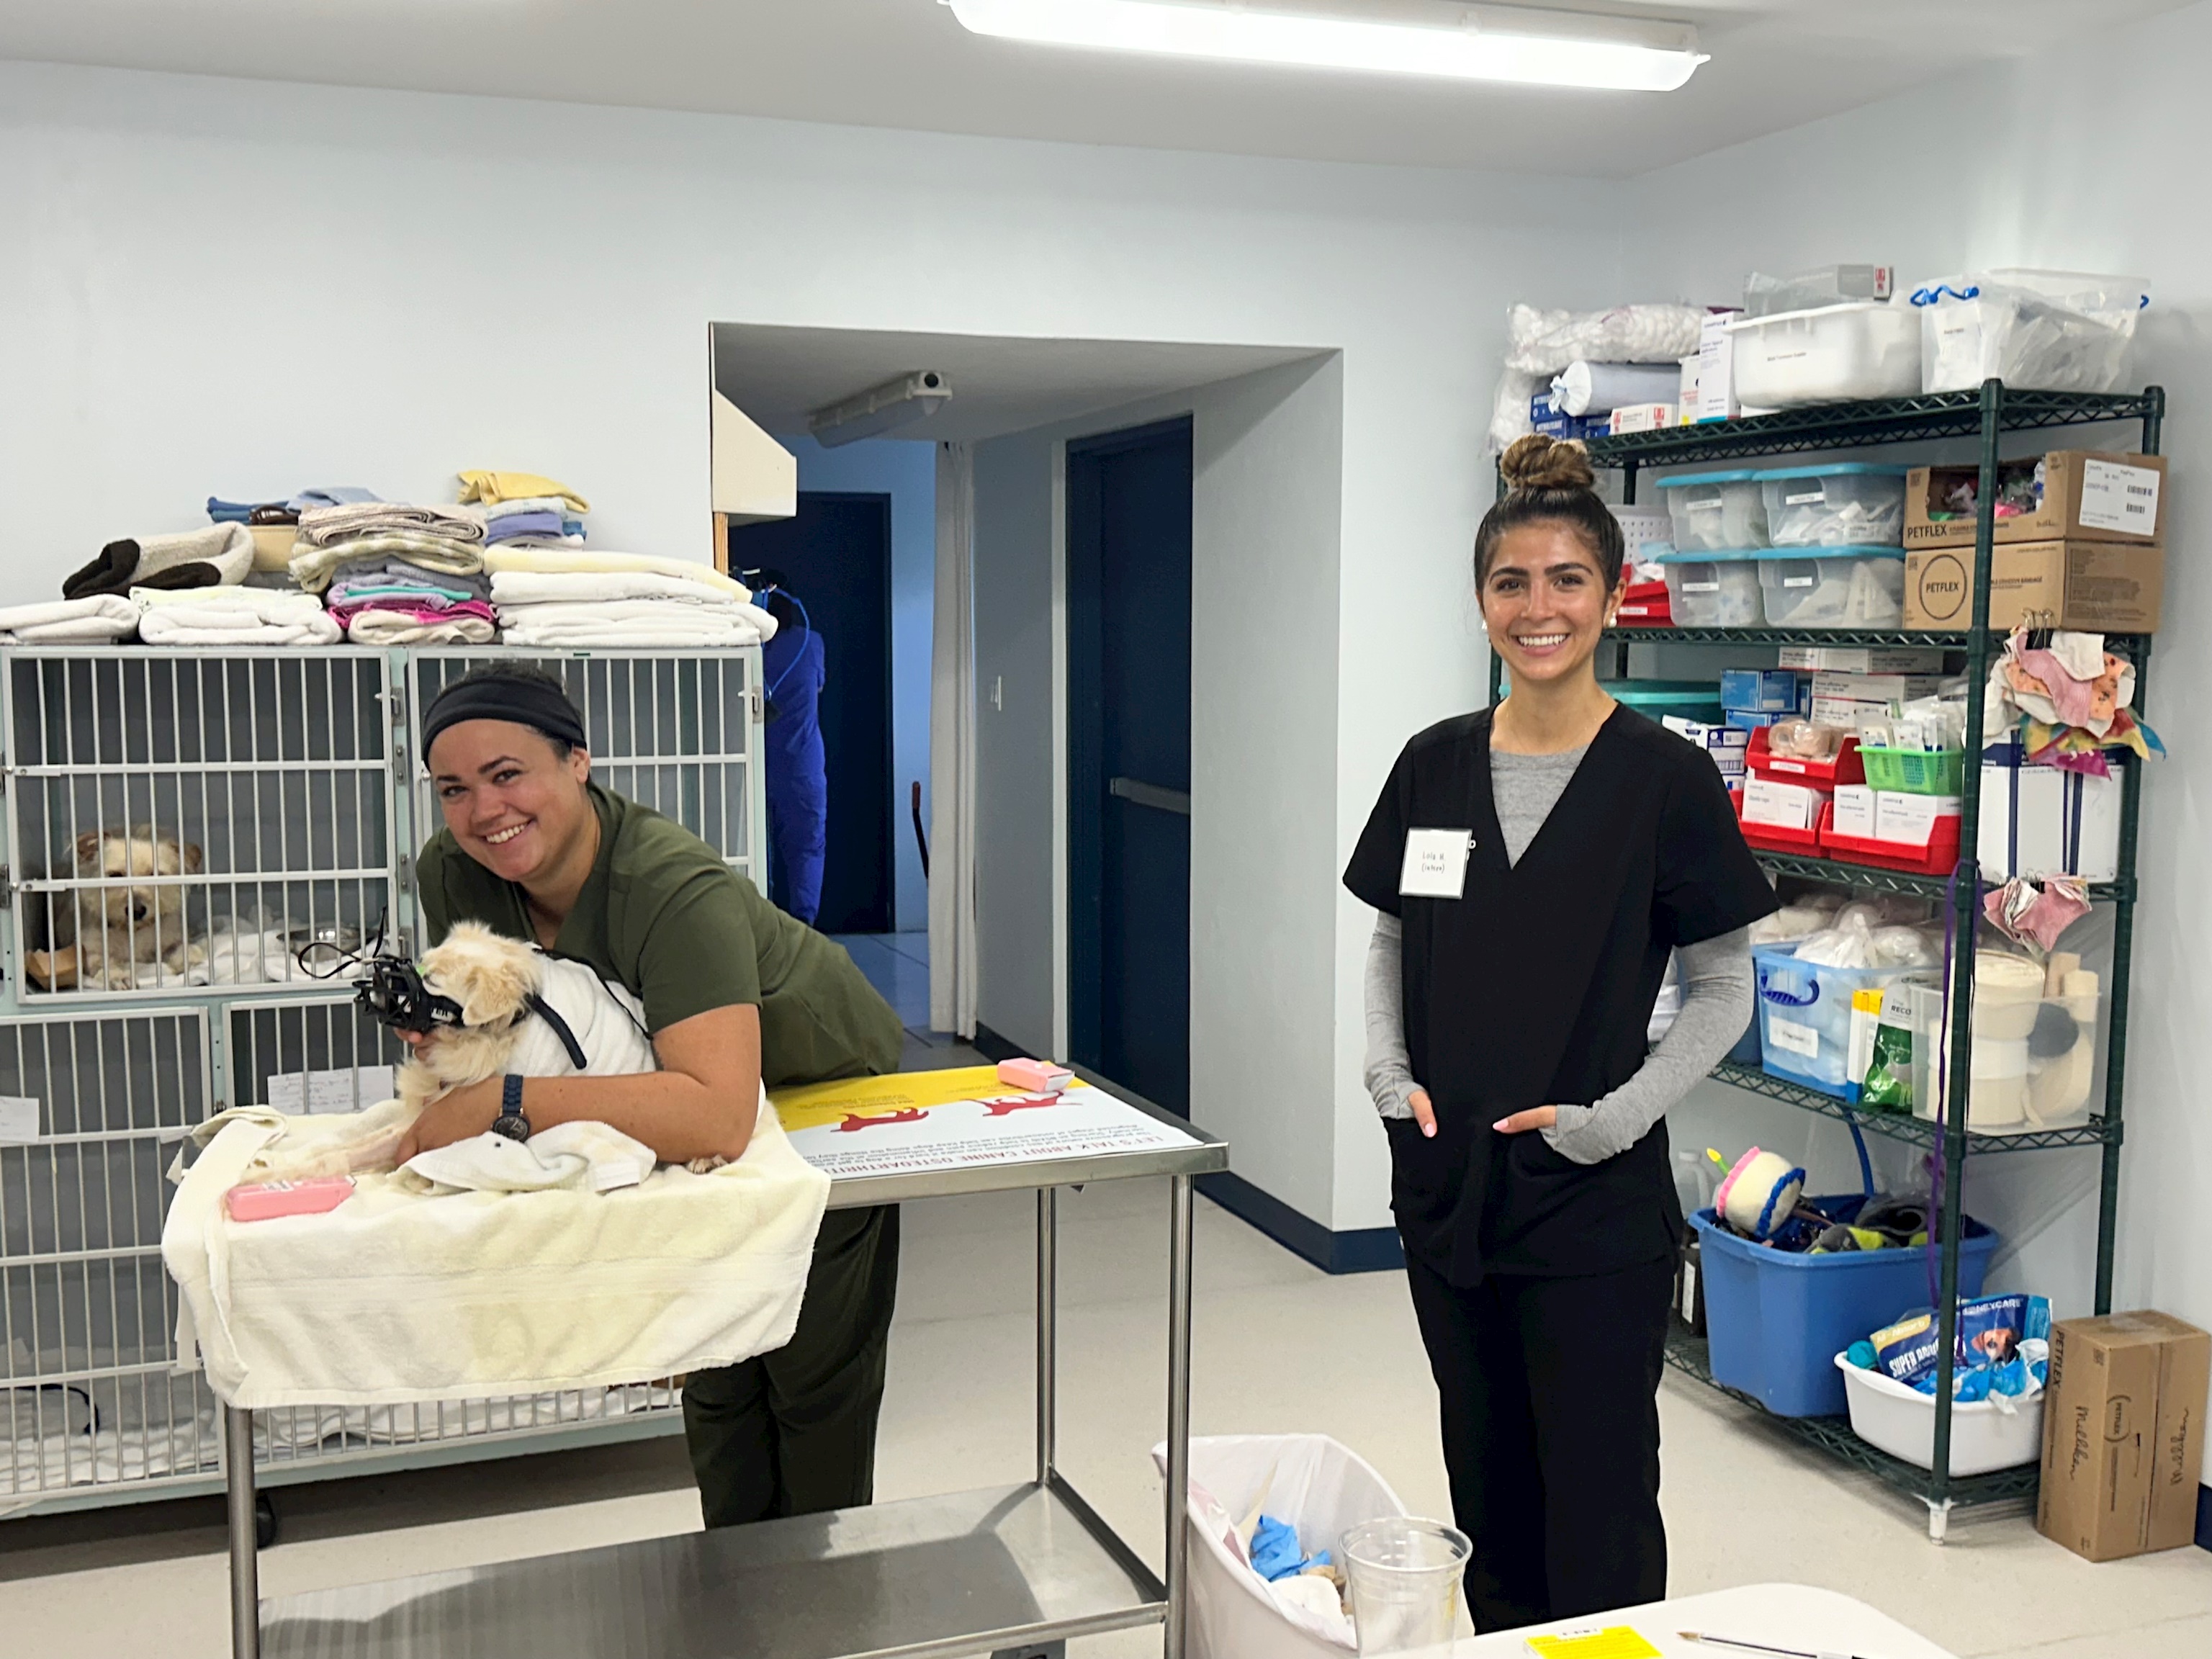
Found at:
[1275, 1551]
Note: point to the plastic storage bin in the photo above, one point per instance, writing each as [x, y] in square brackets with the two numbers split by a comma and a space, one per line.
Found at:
[1851, 504]
[1716, 511]
[1713, 590]
[1901, 1421]
[1775, 1321]
[1834, 587]
[1833, 354]
[1805, 1017]
[2051, 331]
[1689, 700]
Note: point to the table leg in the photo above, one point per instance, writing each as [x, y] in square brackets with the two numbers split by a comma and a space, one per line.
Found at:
[1048, 1332]
[1178, 1539]
[245, 1546]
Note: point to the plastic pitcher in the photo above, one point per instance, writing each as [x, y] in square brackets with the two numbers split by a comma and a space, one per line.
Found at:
[1405, 1574]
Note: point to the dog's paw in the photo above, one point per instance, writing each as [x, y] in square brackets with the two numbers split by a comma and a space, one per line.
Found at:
[706, 1165]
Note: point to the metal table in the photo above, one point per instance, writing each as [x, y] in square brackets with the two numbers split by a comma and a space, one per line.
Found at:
[1004, 1569]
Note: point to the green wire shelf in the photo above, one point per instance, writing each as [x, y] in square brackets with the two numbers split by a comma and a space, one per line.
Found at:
[1883, 421]
[1916, 1131]
[1893, 881]
[1785, 636]
[1687, 1354]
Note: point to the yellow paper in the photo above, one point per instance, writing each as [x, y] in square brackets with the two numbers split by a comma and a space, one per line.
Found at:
[818, 1103]
[1615, 1642]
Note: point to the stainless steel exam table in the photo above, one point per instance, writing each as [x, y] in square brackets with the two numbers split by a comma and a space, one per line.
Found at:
[1000, 1570]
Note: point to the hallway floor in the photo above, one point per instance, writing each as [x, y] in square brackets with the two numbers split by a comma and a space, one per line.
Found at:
[897, 965]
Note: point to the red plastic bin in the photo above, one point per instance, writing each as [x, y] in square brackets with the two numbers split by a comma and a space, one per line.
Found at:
[1939, 858]
[1846, 768]
[1646, 604]
[1774, 837]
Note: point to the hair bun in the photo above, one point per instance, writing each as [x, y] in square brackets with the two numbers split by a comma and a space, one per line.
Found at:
[1537, 462]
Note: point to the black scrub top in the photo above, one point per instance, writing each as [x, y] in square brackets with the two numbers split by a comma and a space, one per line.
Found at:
[1535, 987]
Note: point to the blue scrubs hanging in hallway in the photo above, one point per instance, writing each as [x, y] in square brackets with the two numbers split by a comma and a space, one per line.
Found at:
[795, 668]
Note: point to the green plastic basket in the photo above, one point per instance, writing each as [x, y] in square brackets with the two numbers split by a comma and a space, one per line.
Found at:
[1915, 771]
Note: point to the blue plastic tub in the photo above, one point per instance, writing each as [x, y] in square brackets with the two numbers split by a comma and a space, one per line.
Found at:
[1805, 1017]
[1776, 1322]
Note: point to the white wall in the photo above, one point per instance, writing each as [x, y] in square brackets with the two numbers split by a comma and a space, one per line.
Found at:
[2076, 161]
[905, 469]
[1266, 529]
[240, 287]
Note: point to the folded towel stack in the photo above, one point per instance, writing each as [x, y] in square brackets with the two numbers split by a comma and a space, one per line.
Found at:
[221, 553]
[231, 616]
[395, 575]
[546, 597]
[101, 619]
[527, 509]
[275, 524]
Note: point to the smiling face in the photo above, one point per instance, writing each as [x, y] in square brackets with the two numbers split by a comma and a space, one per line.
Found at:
[1545, 603]
[513, 802]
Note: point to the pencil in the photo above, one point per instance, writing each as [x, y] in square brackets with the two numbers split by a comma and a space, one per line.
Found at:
[1761, 1647]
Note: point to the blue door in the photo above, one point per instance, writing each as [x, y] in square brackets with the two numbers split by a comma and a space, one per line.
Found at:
[1128, 657]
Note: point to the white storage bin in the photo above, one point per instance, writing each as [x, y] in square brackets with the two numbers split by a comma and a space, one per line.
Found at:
[1831, 354]
[1834, 587]
[1715, 512]
[1713, 590]
[2045, 331]
[1901, 1420]
[1851, 504]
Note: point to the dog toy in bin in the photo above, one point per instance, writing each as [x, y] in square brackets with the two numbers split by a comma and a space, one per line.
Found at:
[1759, 1193]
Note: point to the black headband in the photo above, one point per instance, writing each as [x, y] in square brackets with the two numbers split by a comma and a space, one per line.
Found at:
[522, 698]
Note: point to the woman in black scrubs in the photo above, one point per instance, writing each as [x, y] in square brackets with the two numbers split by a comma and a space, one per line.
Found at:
[1535, 864]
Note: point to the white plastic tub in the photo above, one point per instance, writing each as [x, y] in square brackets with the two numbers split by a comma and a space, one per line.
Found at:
[1833, 587]
[1850, 504]
[1831, 354]
[1715, 512]
[1713, 590]
[2049, 330]
[1984, 1436]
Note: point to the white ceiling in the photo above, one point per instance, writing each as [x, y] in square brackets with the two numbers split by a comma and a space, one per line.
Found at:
[1777, 63]
[1000, 383]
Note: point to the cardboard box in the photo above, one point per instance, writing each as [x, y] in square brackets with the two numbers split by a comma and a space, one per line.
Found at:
[1876, 688]
[2123, 1434]
[1725, 744]
[1750, 719]
[1855, 811]
[1785, 805]
[2087, 497]
[2038, 821]
[1843, 713]
[1716, 399]
[1758, 690]
[1862, 659]
[1641, 418]
[2103, 587]
[1911, 818]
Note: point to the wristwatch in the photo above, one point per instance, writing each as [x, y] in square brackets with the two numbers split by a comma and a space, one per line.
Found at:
[511, 1121]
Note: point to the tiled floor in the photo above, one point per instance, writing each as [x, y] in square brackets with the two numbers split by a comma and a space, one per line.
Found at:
[897, 965]
[1279, 1347]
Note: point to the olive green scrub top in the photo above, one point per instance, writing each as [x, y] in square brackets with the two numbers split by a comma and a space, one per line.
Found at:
[662, 915]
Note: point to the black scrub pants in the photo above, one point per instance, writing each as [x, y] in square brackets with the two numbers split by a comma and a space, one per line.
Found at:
[1551, 1427]
[793, 1432]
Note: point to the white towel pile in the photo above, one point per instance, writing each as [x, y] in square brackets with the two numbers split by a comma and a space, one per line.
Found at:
[546, 597]
[100, 620]
[232, 616]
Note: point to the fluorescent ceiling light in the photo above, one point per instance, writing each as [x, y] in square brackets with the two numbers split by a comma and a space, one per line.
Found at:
[1398, 37]
[894, 404]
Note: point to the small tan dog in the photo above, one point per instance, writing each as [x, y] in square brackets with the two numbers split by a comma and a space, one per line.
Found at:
[494, 979]
[115, 927]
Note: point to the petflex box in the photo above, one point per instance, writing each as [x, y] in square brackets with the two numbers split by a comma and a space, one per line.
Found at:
[2103, 587]
[2085, 497]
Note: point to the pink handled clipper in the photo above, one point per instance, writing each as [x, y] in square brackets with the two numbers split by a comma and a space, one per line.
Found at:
[1038, 1077]
[262, 1201]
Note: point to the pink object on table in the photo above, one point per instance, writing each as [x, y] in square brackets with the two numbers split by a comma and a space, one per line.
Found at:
[1038, 1076]
[262, 1201]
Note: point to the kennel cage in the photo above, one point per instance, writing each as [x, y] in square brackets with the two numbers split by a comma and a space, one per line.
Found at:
[290, 772]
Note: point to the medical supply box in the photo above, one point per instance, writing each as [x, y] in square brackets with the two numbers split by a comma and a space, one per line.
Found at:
[2123, 1433]
[2100, 587]
[1760, 690]
[2084, 497]
[1775, 1320]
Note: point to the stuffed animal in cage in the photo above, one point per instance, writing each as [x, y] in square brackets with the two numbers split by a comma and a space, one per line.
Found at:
[116, 928]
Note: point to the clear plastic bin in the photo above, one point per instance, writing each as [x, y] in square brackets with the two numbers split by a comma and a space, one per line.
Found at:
[1713, 590]
[1805, 1017]
[1831, 354]
[1715, 512]
[1851, 504]
[1836, 587]
[2052, 331]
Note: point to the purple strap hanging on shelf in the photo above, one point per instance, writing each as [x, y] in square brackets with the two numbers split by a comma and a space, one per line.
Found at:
[1942, 1093]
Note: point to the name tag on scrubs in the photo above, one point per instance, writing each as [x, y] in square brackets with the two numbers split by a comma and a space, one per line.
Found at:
[1436, 864]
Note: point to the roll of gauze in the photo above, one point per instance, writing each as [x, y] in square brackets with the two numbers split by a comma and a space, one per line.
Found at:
[1601, 388]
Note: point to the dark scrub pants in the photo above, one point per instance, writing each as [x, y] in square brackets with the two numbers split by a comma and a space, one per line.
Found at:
[793, 1432]
[1541, 1285]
